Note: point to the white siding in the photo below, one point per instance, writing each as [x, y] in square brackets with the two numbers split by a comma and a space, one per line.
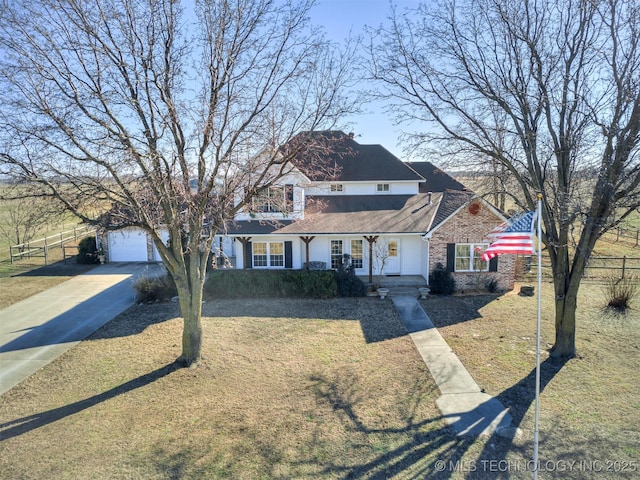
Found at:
[366, 188]
[413, 255]
[413, 252]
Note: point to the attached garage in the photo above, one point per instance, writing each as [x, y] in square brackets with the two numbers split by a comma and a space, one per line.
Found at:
[128, 245]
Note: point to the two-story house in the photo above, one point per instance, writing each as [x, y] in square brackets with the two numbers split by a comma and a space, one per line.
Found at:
[401, 217]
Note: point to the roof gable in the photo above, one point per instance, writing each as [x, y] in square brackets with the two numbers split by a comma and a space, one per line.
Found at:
[452, 202]
[436, 180]
[353, 162]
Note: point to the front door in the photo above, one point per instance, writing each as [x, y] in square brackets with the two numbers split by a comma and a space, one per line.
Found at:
[392, 265]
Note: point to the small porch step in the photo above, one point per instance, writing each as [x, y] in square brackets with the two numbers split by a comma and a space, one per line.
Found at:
[399, 291]
[415, 281]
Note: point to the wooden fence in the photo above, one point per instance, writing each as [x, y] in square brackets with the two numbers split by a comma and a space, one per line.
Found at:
[42, 247]
[598, 268]
[624, 234]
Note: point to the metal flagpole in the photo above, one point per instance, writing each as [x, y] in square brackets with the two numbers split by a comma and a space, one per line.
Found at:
[537, 408]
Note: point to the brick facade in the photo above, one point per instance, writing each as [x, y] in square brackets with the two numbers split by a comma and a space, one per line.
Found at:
[471, 225]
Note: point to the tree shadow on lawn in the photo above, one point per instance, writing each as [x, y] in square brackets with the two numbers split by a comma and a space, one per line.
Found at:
[136, 320]
[519, 399]
[341, 393]
[379, 320]
[445, 310]
[65, 327]
[69, 268]
[415, 457]
[24, 425]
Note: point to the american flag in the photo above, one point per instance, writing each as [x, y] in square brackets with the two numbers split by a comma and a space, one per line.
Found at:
[513, 237]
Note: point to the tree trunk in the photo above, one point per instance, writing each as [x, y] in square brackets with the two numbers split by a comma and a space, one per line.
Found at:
[565, 344]
[567, 278]
[192, 331]
[190, 298]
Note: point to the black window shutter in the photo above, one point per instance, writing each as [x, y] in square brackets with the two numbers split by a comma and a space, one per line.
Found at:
[248, 255]
[451, 257]
[288, 191]
[288, 255]
[493, 264]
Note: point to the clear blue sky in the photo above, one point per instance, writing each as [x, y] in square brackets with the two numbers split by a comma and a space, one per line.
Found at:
[338, 18]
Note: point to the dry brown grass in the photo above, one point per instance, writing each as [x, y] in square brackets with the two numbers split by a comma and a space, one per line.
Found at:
[320, 389]
[22, 281]
[290, 389]
[325, 389]
[589, 406]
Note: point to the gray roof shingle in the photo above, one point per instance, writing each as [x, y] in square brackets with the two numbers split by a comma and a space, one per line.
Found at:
[354, 162]
[436, 179]
[450, 202]
[364, 215]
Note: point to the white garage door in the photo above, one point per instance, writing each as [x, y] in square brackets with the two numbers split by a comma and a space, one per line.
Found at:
[128, 246]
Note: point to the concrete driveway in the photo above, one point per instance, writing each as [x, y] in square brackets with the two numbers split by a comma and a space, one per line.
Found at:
[37, 330]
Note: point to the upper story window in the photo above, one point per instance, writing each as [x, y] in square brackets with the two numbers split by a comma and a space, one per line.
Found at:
[382, 188]
[469, 257]
[270, 199]
[337, 187]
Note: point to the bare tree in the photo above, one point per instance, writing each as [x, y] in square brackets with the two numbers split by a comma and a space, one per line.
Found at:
[174, 114]
[563, 77]
[24, 216]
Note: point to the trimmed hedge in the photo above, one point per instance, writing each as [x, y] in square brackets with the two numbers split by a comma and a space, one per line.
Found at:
[270, 284]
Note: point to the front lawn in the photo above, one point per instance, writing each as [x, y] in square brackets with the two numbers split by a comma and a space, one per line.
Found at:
[290, 389]
[323, 389]
[589, 406]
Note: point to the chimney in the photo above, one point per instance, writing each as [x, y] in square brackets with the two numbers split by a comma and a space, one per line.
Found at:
[429, 198]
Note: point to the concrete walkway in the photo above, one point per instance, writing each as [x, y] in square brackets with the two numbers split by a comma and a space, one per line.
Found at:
[466, 409]
[39, 329]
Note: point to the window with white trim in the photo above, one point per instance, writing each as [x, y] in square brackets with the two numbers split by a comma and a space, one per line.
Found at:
[356, 253]
[469, 257]
[276, 254]
[269, 199]
[268, 254]
[336, 254]
[259, 254]
[337, 187]
[382, 188]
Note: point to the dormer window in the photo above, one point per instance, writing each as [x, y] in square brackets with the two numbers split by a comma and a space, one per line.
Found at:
[269, 200]
[337, 187]
[382, 188]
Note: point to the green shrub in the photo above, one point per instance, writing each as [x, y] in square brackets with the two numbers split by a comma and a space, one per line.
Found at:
[441, 281]
[155, 289]
[87, 251]
[349, 285]
[620, 292]
[270, 284]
